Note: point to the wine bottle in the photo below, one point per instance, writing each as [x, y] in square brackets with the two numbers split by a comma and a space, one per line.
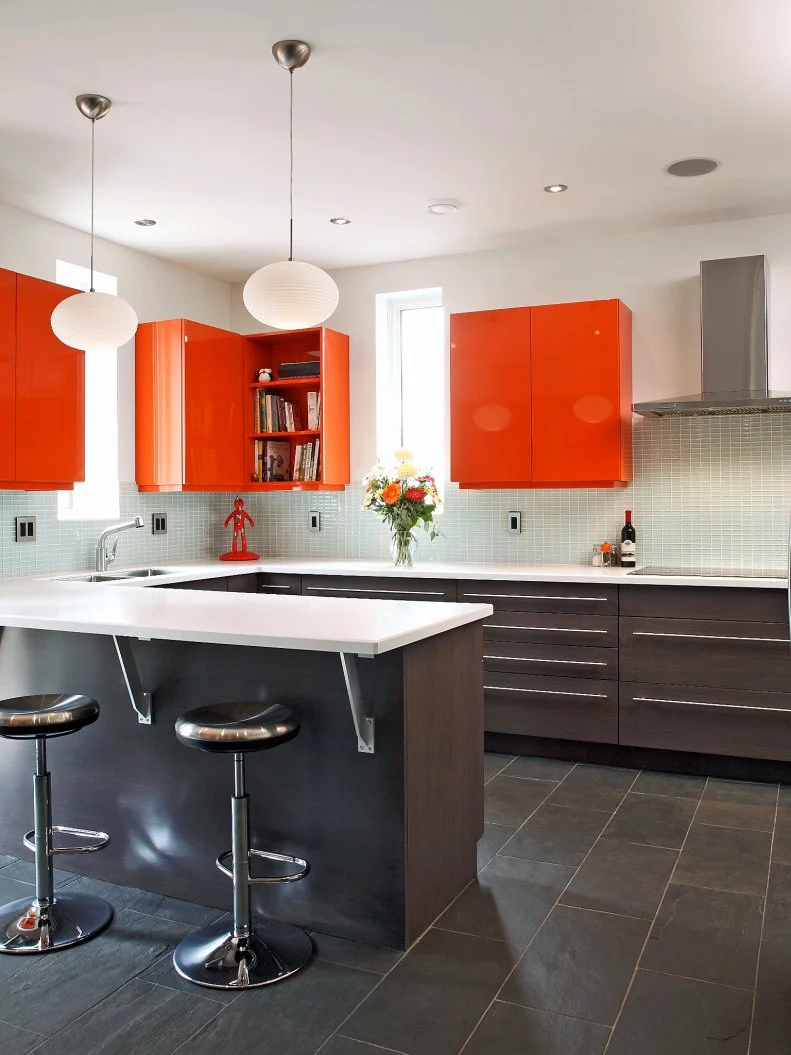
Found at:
[628, 543]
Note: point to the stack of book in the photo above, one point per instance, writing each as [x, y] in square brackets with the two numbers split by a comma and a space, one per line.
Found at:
[306, 461]
[273, 461]
[275, 414]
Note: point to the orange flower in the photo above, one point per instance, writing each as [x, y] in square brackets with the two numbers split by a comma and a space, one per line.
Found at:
[415, 494]
[391, 494]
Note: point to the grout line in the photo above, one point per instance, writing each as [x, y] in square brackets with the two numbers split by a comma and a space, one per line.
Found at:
[763, 924]
[653, 921]
[691, 978]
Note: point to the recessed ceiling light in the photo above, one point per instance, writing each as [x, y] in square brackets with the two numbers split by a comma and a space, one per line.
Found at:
[146, 223]
[442, 206]
[341, 221]
[556, 188]
[692, 167]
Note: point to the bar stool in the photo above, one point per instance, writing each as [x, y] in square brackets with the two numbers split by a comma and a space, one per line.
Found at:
[244, 955]
[50, 921]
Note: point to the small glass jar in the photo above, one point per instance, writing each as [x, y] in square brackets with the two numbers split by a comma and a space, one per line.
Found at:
[606, 555]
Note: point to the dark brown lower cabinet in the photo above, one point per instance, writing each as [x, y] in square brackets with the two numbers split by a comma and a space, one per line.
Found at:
[562, 708]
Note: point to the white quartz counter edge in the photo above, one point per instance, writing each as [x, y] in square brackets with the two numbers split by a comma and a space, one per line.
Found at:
[323, 624]
[178, 572]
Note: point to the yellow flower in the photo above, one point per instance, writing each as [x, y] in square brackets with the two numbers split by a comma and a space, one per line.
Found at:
[405, 469]
[403, 455]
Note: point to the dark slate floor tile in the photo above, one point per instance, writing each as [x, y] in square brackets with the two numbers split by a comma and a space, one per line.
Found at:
[777, 919]
[743, 791]
[558, 834]
[725, 859]
[772, 1017]
[347, 953]
[56, 989]
[494, 764]
[6, 859]
[509, 801]
[510, 900]
[507, 1029]
[781, 847]
[25, 872]
[430, 1003]
[533, 768]
[580, 963]
[136, 1018]
[296, 1016]
[712, 935]
[339, 1045]
[675, 785]
[160, 905]
[620, 877]
[594, 787]
[784, 798]
[664, 1015]
[164, 973]
[494, 838]
[655, 820]
[737, 804]
[16, 1041]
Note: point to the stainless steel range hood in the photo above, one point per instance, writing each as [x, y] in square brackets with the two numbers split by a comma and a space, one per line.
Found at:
[733, 332]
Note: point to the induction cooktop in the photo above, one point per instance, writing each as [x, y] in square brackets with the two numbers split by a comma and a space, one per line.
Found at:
[728, 573]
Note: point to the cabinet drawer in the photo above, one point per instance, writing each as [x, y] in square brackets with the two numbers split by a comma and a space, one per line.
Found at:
[719, 653]
[382, 588]
[279, 584]
[247, 583]
[705, 602]
[574, 598]
[715, 721]
[217, 584]
[564, 708]
[545, 629]
[551, 660]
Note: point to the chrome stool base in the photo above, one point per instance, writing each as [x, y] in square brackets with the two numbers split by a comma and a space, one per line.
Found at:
[215, 958]
[27, 927]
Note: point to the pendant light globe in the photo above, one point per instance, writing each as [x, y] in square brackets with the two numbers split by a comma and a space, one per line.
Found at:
[93, 321]
[290, 294]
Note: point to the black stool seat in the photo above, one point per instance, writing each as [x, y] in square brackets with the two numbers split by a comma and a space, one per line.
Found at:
[49, 714]
[236, 727]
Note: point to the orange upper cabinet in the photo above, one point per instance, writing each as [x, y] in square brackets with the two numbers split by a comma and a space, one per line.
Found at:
[189, 403]
[490, 398]
[582, 393]
[42, 390]
[541, 396]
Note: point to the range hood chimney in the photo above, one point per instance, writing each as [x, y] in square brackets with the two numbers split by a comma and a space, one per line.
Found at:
[733, 336]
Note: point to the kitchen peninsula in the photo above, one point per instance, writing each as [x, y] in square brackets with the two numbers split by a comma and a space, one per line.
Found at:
[388, 814]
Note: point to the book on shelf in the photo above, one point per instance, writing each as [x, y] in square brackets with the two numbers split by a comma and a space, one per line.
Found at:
[272, 413]
[277, 463]
[314, 410]
[306, 461]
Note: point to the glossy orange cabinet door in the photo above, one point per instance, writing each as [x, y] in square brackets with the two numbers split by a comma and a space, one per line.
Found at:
[490, 410]
[581, 385]
[50, 391]
[214, 393]
[159, 419]
[334, 450]
[7, 375]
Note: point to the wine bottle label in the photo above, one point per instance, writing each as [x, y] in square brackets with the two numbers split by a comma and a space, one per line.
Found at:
[628, 553]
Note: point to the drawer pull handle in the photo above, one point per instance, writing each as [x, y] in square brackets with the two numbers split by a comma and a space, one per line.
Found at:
[549, 692]
[273, 586]
[721, 706]
[710, 637]
[534, 597]
[362, 589]
[570, 662]
[549, 629]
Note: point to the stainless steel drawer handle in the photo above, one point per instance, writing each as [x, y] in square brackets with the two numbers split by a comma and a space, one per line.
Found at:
[720, 706]
[273, 586]
[549, 692]
[549, 629]
[534, 597]
[362, 589]
[710, 637]
[565, 662]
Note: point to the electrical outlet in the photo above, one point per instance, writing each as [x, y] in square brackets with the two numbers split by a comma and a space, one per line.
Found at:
[26, 529]
[314, 523]
[159, 523]
[514, 523]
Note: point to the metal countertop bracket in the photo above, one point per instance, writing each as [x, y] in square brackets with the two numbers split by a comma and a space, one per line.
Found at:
[363, 725]
[142, 702]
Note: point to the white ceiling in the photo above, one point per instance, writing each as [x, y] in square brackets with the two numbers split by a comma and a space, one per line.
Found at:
[485, 101]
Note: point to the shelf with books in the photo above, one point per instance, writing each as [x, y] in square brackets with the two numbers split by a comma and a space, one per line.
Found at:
[289, 382]
[284, 435]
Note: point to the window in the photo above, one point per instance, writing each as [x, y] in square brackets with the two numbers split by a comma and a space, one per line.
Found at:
[411, 377]
[98, 498]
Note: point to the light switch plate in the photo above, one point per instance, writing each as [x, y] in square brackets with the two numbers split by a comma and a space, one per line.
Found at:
[314, 522]
[159, 523]
[25, 529]
[514, 522]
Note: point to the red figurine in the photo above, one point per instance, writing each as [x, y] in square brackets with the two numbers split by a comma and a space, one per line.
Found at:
[239, 550]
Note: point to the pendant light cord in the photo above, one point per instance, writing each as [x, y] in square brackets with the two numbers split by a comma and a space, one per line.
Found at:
[291, 166]
[93, 157]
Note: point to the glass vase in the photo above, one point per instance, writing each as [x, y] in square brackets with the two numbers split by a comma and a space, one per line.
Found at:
[402, 546]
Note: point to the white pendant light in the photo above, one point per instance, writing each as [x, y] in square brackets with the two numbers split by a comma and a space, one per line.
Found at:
[290, 294]
[93, 321]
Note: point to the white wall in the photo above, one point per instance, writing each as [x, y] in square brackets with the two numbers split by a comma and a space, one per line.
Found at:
[155, 288]
[654, 272]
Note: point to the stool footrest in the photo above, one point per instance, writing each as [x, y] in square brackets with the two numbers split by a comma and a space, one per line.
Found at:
[302, 867]
[101, 839]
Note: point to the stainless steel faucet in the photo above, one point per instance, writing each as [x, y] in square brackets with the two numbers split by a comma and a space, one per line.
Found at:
[105, 554]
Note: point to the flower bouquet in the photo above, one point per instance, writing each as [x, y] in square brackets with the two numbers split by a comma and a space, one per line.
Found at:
[403, 497]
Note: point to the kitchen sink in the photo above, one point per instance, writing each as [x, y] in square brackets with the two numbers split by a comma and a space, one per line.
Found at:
[113, 576]
[140, 573]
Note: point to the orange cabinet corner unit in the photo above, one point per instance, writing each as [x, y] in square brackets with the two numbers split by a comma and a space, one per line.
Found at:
[42, 390]
[542, 396]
